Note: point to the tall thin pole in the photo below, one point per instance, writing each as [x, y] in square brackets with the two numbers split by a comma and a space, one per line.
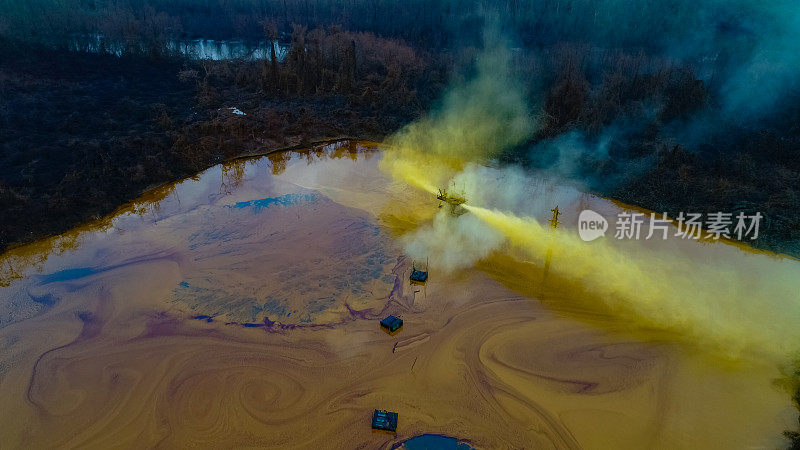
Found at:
[548, 259]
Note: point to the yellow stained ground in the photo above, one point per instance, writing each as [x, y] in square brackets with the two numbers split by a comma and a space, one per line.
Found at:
[118, 361]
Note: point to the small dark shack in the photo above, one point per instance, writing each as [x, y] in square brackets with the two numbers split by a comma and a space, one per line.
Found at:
[392, 323]
[419, 273]
[384, 420]
[419, 276]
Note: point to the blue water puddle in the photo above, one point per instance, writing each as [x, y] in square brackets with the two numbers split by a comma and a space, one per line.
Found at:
[283, 200]
[434, 442]
[46, 300]
[69, 274]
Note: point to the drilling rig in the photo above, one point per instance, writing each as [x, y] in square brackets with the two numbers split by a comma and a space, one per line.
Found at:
[453, 200]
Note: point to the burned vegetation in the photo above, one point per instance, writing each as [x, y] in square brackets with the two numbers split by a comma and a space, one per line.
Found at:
[84, 132]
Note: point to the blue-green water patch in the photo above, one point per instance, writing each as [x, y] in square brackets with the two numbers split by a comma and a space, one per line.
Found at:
[282, 200]
[46, 299]
[69, 274]
[434, 442]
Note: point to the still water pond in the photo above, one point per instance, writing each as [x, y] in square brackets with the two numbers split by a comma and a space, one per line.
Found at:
[200, 49]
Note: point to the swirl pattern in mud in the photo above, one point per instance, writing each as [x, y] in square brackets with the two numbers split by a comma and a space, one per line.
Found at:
[291, 272]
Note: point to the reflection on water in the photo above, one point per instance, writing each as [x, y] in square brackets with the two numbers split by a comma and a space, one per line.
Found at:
[225, 50]
[434, 442]
[241, 307]
[284, 200]
[219, 215]
[200, 49]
